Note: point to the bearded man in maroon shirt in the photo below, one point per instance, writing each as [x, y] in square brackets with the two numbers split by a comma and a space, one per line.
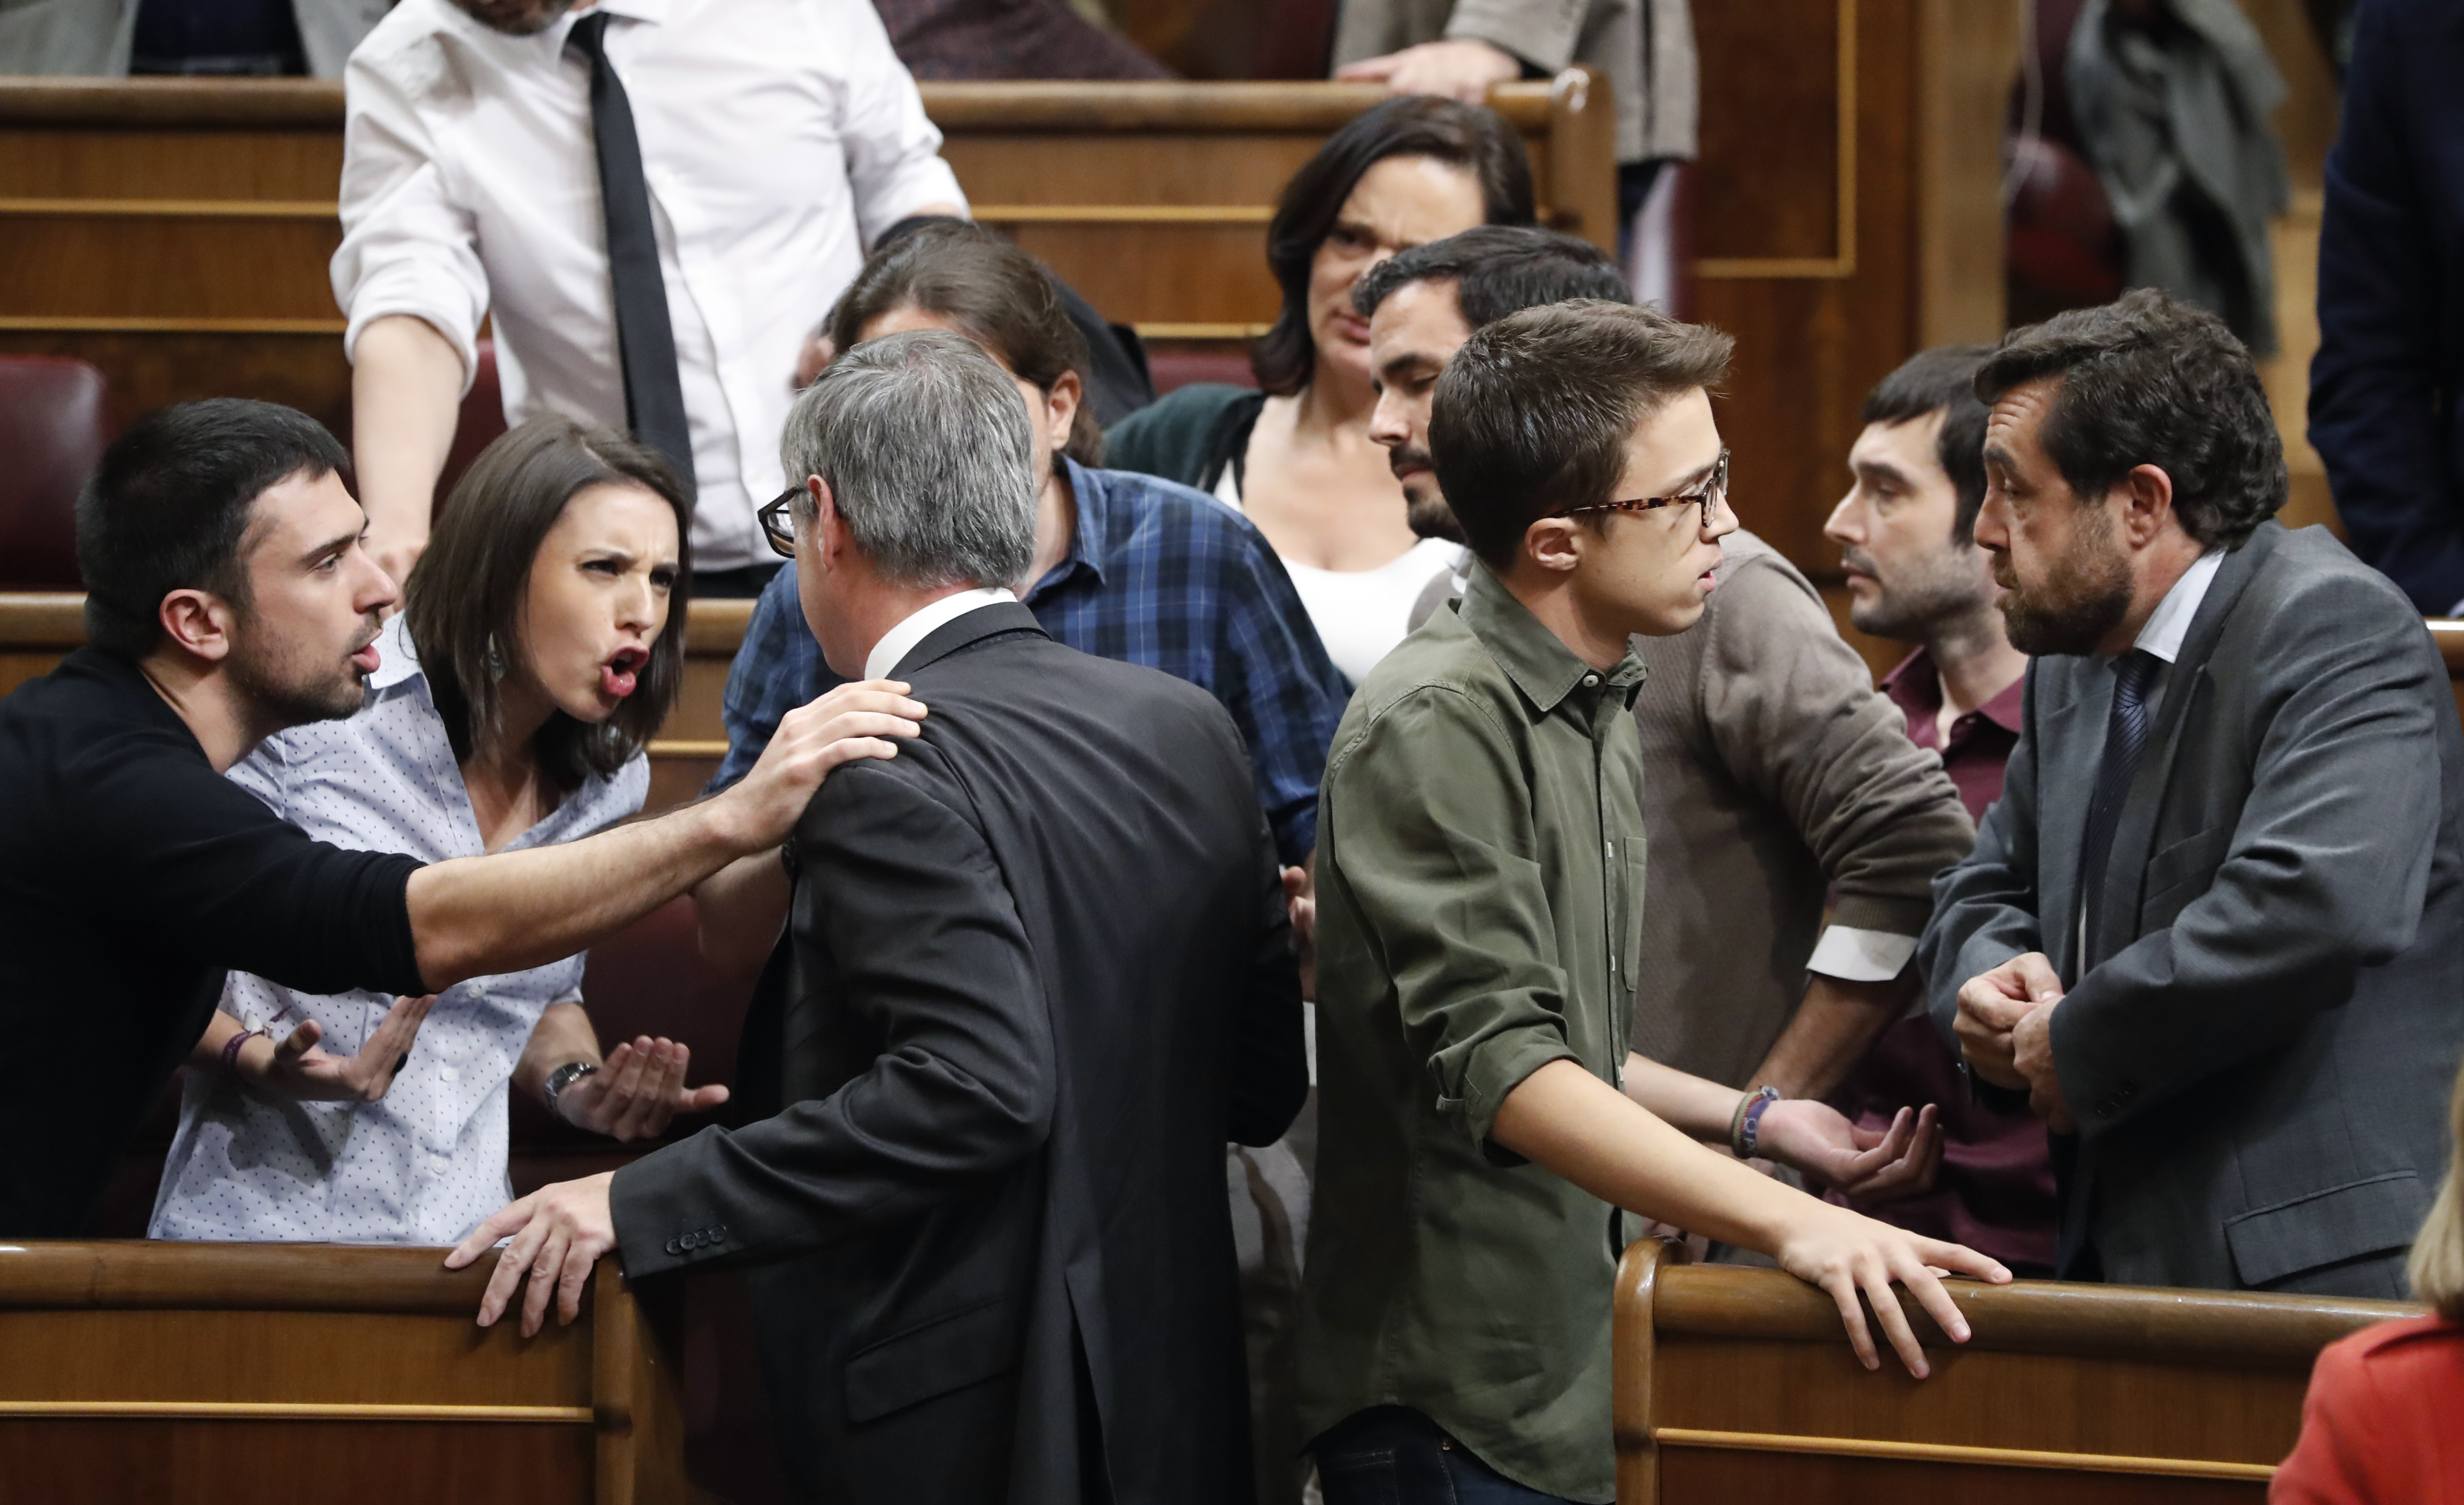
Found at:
[1906, 534]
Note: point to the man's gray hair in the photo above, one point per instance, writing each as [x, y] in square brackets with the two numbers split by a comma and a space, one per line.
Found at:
[924, 441]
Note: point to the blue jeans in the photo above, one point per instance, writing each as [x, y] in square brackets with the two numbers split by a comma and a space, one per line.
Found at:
[1393, 1455]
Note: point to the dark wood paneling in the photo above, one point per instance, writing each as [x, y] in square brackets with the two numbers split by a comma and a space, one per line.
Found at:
[274, 1463]
[1766, 182]
[1809, 346]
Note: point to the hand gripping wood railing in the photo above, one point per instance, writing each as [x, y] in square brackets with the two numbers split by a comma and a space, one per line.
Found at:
[1736, 1382]
[319, 1372]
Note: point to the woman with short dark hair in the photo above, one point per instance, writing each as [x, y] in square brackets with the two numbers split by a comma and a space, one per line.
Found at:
[1295, 455]
[516, 691]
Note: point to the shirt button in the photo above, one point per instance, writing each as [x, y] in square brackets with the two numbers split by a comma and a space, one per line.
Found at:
[450, 1072]
[1590, 680]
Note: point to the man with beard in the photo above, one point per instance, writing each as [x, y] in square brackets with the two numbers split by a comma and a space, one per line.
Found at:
[652, 202]
[2213, 930]
[1906, 534]
[1780, 777]
[227, 596]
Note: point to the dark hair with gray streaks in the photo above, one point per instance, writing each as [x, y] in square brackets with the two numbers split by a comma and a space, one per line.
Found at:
[925, 445]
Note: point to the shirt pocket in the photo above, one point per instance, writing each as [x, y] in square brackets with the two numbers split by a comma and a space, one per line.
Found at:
[1626, 872]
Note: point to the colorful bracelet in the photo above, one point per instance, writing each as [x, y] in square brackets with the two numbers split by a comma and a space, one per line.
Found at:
[1746, 1124]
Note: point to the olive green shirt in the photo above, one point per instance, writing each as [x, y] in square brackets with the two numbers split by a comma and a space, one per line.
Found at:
[1480, 886]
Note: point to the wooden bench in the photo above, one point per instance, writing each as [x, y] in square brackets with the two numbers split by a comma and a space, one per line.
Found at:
[1736, 1383]
[177, 233]
[307, 1373]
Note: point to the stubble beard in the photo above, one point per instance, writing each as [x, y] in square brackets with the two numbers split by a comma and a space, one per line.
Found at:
[281, 693]
[1943, 588]
[2085, 595]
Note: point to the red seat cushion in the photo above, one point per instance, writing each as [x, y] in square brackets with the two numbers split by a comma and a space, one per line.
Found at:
[55, 421]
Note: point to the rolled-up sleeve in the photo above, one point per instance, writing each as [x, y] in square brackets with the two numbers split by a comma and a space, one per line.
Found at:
[1441, 858]
[1795, 716]
[408, 247]
[893, 151]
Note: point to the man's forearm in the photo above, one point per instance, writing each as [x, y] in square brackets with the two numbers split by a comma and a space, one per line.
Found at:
[406, 400]
[514, 910]
[1699, 1107]
[740, 911]
[1833, 1028]
[1568, 1121]
[563, 1033]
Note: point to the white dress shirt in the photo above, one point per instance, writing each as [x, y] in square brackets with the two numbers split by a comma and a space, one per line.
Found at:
[777, 138]
[425, 1163]
[896, 643]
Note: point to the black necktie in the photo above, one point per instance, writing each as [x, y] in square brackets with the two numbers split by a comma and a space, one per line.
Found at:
[646, 343]
[2125, 732]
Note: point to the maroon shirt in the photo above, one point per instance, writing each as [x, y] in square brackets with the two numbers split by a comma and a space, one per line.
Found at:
[1996, 1189]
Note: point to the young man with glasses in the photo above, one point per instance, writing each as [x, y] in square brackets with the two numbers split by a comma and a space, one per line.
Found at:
[1781, 778]
[1484, 1127]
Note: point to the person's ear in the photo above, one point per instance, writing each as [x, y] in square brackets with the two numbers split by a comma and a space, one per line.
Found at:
[829, 535]
[198, 622]
[1061, 406]
[1554, 544]
[2146, 495]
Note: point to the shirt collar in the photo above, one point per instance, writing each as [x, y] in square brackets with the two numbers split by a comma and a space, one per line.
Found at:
[397, 661]
[1090, 515]
[2170, 624]
[1915, 687]
[1541, 665]
[899, 641]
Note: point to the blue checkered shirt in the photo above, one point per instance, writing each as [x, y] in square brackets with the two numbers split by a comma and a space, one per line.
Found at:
[1158, 574]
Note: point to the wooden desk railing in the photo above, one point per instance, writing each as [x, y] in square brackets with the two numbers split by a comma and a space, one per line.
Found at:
[243, 1372]
[177, 232]
[1735, 1384]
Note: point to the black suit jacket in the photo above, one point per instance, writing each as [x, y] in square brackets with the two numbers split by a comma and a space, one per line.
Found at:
[2259, 1042]
[1036, 971]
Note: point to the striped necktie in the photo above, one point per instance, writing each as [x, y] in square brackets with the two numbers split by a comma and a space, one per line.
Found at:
[2125, 732]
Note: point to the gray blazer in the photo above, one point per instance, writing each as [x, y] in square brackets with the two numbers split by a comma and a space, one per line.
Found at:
[2260, 1056]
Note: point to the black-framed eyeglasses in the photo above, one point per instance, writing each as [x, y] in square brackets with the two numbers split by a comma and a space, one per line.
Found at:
[1711, 495]
[777, 528]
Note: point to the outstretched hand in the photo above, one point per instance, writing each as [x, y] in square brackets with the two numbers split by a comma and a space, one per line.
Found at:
[311, 1074]
[1846, 1254]
[558, 1233]
[636, 1091]
[1826, 1146]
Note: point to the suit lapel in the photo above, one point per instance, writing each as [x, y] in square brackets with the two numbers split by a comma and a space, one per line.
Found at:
[2186, 687]
[2071, 737]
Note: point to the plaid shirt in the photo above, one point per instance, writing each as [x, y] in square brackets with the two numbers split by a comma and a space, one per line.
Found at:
[1157, 574]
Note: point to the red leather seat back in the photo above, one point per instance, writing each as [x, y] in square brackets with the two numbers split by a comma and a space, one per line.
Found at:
[482, 420]
[55, 421]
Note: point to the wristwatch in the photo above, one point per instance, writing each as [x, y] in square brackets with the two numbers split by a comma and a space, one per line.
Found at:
[564, 1077]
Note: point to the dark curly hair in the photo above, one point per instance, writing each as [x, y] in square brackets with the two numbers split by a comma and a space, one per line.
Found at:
[2149, 379]
[1472, 137]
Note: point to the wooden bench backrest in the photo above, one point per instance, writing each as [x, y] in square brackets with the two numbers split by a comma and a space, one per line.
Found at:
[1737, 1384]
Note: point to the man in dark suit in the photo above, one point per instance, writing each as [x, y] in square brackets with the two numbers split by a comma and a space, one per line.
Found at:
[2385, 387]
[1034, 978]
[2214, 927]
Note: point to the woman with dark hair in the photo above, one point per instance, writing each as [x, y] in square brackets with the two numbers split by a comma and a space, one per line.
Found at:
[1296, 455]
[517, 687]
[1126, 566]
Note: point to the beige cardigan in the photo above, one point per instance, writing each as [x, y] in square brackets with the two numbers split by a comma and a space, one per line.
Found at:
[1645, 46]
